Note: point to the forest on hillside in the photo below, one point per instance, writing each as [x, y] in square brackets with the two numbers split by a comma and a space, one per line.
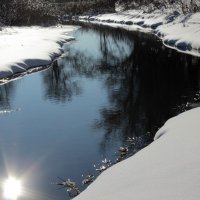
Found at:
[30, 12]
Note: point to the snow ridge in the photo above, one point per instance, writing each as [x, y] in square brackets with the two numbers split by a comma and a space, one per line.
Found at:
[22, 48]
[167, 169]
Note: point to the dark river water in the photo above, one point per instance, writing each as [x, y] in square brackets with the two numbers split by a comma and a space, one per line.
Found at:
[108, 85]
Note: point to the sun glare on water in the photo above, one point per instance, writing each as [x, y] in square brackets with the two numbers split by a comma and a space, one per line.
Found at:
[12, 188]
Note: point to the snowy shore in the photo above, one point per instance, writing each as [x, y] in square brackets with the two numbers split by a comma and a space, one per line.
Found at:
[22, 48]
[176, 30]
[166, 169]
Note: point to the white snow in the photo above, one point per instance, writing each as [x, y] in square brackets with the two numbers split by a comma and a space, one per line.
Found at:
[178, 31]
[168, 169]
[183, 34]
[25, 47]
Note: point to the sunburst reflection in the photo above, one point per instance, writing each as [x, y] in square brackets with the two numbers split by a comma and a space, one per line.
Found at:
[12, 188]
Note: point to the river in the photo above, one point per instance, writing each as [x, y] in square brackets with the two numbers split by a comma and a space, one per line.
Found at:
[108, 86]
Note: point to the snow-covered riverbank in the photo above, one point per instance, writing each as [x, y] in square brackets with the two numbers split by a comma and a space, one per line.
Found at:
[177, 31]
[24, 47]
[166, 169]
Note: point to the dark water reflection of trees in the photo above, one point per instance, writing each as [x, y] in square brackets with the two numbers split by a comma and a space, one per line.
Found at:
[143, 87]
[58, 84]
[6, 93]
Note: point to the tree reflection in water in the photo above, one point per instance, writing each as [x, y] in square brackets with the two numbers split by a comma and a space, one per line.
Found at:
[144, 80]
[145, 89]
[6, 93]
[58, 83]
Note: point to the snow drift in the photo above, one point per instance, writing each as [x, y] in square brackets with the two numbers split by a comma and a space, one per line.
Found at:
[25, 47]
[169, 168]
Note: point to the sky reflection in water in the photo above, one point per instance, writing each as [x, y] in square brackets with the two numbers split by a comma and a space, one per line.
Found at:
[12, 188]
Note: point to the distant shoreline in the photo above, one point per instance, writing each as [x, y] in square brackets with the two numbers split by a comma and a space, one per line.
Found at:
[176, 30]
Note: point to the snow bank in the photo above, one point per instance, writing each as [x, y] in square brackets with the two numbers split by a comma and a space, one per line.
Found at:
[168, 169]
[178, 31]
[183, 34]
[25, 47]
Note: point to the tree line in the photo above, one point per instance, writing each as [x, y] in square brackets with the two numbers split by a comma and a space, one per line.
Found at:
[29, 12]
[20, 12]
[186, 5]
